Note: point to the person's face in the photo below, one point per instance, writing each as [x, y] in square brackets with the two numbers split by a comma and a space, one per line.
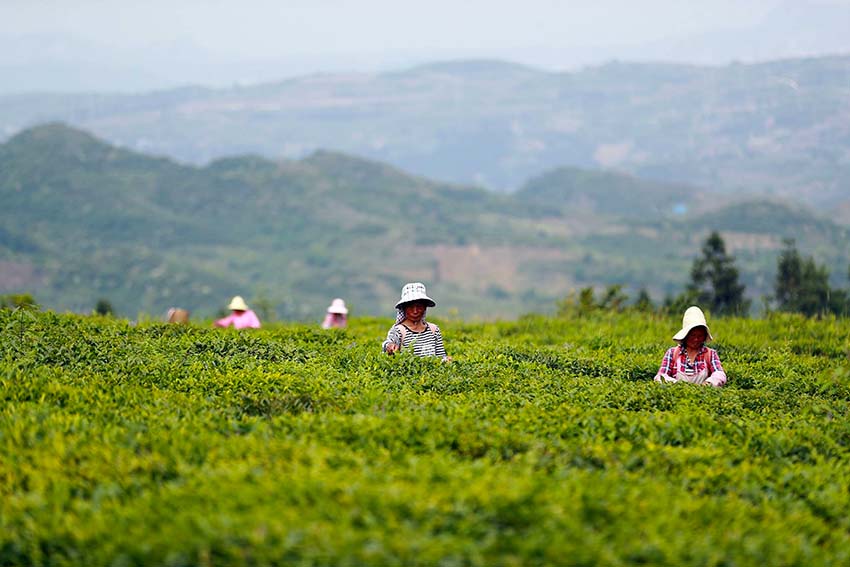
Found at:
[414, 310]
[238, 311]
[696, 337]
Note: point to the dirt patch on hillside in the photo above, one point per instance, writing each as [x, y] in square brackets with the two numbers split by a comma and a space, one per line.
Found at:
[481, 268]
[737, 241]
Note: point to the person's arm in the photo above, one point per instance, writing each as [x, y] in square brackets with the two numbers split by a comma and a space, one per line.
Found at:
[326, 324]
[718, 375]
[224, 321]
[665, 372]
[253, 320]
[393, 342]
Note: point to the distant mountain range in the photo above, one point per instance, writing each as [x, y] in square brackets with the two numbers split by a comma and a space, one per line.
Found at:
[83, 220]
[778, 128]
[77, 62]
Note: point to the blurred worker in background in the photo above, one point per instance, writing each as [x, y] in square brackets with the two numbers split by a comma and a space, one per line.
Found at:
[240, 316]
[336, 316]
[177, 315]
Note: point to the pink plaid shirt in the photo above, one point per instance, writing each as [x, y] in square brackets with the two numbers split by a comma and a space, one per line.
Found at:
[703, 357]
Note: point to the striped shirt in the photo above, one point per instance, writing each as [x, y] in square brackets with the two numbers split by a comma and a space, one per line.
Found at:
[428, 342]
[705, 356]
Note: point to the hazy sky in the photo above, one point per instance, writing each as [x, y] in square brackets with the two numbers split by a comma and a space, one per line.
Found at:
[251, 27]
[55, 44]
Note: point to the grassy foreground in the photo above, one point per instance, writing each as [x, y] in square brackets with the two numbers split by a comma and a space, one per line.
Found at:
[544, 443]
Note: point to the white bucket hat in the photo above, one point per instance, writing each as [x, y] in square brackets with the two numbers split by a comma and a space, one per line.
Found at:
[693, 317]
[338, 306]
[414, 292]
[238, 304]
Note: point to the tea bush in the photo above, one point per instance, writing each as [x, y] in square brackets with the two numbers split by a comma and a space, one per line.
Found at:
[544, 442]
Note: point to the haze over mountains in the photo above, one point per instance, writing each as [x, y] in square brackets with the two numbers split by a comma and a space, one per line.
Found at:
[46, 46]
[84, 220]
[780, 128]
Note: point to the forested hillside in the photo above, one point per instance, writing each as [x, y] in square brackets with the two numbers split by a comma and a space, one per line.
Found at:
[84, 220]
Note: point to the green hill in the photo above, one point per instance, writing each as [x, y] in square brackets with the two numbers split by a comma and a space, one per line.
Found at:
[94, 220]
[574, 190]
[84, 220]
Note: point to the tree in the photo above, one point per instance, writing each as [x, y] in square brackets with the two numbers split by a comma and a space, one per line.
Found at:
[577, 304]
[789, 268]
[614, 299]
[714, 280]
[643, 303]
[17, 300]
[585, 302]
[801, 285]
[103, 307]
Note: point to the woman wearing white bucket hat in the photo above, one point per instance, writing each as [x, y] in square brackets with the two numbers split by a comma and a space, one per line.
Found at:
[337, 315]
[240, 316]
[692, 361]
[410, 326]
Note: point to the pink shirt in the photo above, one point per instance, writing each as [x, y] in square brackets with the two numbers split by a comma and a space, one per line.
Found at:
[245, 320]
[335, 320]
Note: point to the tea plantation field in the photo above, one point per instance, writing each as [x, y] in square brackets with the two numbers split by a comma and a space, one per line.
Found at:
[545, 442]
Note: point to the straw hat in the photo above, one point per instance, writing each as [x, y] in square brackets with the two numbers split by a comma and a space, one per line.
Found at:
[238, 304]
[338, 306]
[414, 292]
[693, 317]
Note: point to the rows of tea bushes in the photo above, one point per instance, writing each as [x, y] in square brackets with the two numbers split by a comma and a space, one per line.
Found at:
[545, 442]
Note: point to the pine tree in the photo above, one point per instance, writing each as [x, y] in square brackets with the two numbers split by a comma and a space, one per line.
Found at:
[801, 285]
[789, 268]
[714, 280]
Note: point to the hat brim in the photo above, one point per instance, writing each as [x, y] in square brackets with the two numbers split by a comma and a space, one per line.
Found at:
[680, 336]
[338, 310]
[427, 300]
